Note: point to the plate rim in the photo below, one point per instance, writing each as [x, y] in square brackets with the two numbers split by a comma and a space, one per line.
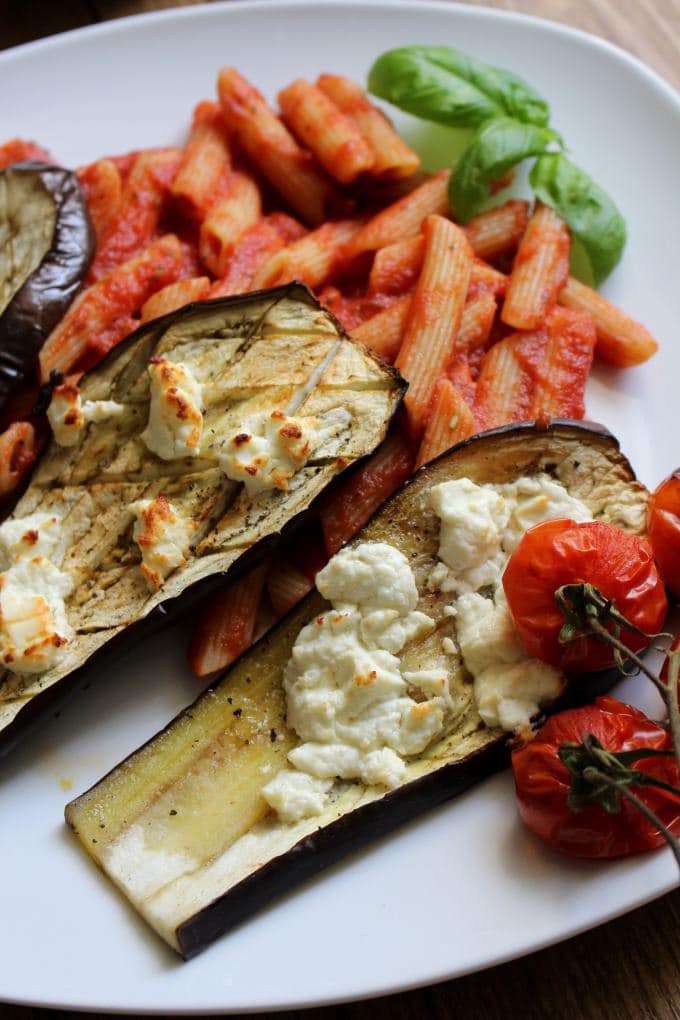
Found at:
[233, 8]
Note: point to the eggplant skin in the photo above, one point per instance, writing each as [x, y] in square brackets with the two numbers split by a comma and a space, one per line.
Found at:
[193, 791]
[44, 296]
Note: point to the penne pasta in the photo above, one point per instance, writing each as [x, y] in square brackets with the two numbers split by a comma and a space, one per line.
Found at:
[227, 221]
[476, 321]
[255, 247]
[139, 213]
[103, 188]
[499, 230]
[19, 448]
[360, 494]
[503, 392]
[286, 585]
[100, 316]
[460, 374]
[270, 146]
[539, 374]
[485, 277]
[227, 625]
[313, 260]
[384, 332]
[287, 226]
[397, 266]
[450, 422]
[205, 162]
[621, 341]
[561, 375]
[539, 271]
[435, 315]
[334, 139]
[392, 157]
[404, 218]
[174, 296]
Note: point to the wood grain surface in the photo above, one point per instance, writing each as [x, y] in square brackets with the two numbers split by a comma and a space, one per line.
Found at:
[628, 969]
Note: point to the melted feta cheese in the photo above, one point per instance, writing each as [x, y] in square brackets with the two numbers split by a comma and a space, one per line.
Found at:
[347, 698]
[267, 450]
[68, 414]
[295, 795]
[175, 418]
[472, 517]
[38, 534]
[480, 528]
[509, 685]
[33, 624]
[531, 501]
[34, 629]
[163, 538]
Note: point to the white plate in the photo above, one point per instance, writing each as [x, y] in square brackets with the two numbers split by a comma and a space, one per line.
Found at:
[466, 886]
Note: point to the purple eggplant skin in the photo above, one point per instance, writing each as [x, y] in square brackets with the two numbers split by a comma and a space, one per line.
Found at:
[43, 298]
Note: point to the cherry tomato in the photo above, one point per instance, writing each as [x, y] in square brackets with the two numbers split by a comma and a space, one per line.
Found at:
[663, 528]
[562, 552]
[542, 783]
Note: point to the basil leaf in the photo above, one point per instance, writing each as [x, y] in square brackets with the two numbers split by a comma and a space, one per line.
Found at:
[587, 209]
[497, 146]
[440, 84]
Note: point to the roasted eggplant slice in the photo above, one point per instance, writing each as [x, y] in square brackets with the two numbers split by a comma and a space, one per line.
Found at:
[182, 826]
[139, 535]
[46, 246]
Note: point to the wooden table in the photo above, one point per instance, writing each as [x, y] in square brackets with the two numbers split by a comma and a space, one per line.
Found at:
[628, 969]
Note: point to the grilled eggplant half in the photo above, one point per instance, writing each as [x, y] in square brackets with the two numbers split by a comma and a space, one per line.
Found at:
[182, 827]
[46, 246]
[268, 353]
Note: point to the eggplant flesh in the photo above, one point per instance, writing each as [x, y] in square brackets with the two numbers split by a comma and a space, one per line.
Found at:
[181, 826]
[47, 243]
[233, 346]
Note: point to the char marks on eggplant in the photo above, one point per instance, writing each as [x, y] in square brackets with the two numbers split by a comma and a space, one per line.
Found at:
[273, 351]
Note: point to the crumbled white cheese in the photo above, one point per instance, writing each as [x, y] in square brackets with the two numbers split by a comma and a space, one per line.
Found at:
[175, 422]
[509, 685]
[472, 518]
[531, 501]
[347, 698]
[480, 528]
[163, 537]
[486, 632]
[295, 795]
[33, 625]
[509, 696]
[38, 534]
[68, 414]
[373, 576]
[267, 450]
[34, 629]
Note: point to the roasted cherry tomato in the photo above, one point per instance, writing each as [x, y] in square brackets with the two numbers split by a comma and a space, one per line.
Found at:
[619, 565]
[542, 783]
[663, 528]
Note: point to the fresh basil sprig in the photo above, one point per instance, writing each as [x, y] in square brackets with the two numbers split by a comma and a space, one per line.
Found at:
[585, 207]
[440, 84]
[510, 119]
[498, 145]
